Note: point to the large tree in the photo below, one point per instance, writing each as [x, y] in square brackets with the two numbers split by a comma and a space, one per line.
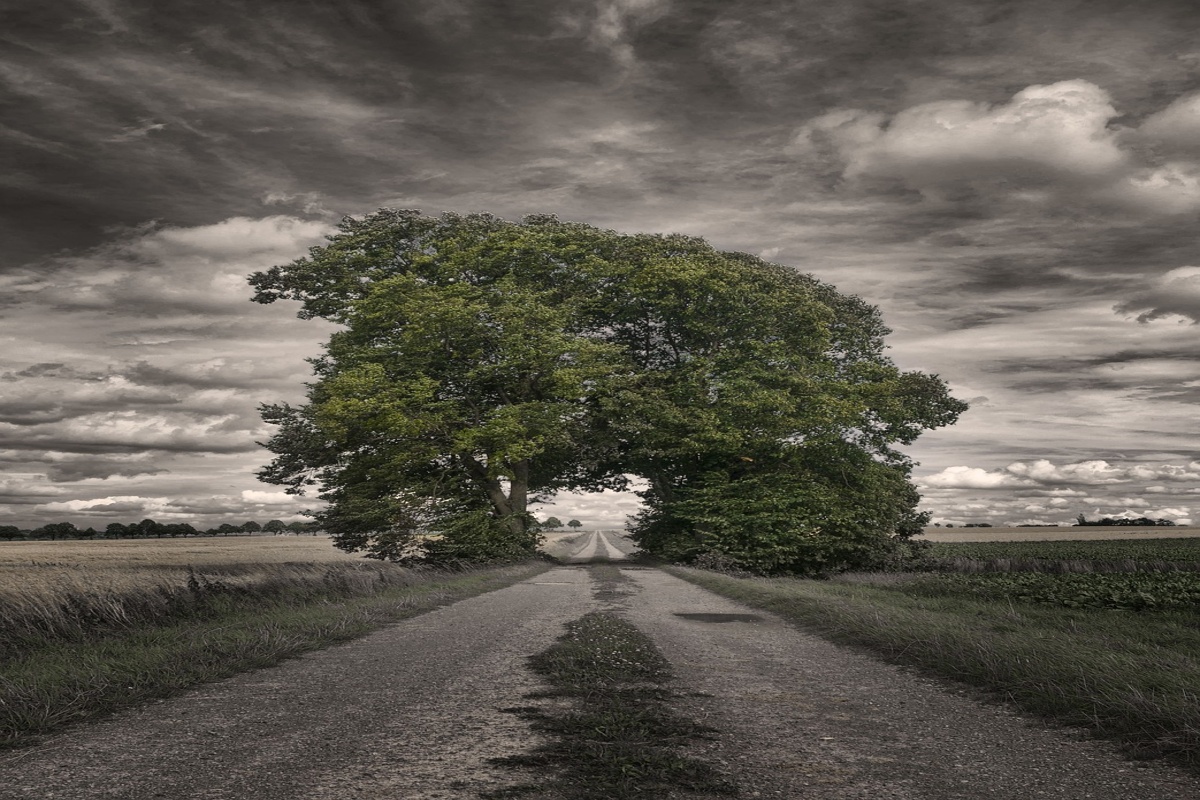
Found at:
[481, 362]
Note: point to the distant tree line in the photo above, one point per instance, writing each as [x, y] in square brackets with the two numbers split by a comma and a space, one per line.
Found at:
[1123, 522]
[149, 529]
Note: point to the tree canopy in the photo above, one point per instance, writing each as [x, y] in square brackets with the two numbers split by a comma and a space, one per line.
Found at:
[483, 363]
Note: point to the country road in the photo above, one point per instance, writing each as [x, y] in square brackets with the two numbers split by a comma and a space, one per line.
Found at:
[596, 546]
[413, 712]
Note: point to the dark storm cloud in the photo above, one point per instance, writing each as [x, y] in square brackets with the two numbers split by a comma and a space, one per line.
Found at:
[156, 153]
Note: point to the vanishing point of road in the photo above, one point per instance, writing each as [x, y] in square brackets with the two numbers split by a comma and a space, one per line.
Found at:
[414, 711]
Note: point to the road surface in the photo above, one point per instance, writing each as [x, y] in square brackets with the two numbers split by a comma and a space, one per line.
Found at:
[413, 712]
[597, 546]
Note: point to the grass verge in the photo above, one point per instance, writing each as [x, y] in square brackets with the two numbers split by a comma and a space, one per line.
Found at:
[612, 735]
[76, 673]
[1128, 676]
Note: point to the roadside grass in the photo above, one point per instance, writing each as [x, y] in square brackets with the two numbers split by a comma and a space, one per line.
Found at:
[88, 655]
[612, 734]
[1129, 676]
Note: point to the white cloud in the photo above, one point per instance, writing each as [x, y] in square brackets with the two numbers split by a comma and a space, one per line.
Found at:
[1057, 130]
[961, 477]
[256, 497]
[1050, 143]
[1177, 127]
[140, 430]
[1059, 492]
[1083, 473]
[237, 237]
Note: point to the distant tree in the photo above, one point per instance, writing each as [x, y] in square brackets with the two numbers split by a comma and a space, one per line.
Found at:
[251, 527]
[1166, 523]
[88, 533]
[175, 529]
[147, 527]
[552, 523]
[296, 527]
[225, 529]
[116, 530]
[575, 524]
[275, 526]
[55, 530]
[10, 532]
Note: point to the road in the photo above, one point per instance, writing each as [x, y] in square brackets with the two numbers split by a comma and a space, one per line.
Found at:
[413, 712]
[597, 546]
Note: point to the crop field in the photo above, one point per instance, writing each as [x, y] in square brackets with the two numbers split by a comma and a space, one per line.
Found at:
[1142, 549]
[1063, 533]
[1133, 574]
[45, 584]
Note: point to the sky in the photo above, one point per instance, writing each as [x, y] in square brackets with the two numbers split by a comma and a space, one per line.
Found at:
[1014, 183]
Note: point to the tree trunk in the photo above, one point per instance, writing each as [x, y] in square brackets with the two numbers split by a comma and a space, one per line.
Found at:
[509, 508]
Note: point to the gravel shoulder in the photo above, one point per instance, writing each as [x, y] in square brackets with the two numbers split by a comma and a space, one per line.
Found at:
[801, 717]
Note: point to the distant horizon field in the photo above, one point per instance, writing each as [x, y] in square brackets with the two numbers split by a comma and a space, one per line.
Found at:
[174, 553]
[1063, 533]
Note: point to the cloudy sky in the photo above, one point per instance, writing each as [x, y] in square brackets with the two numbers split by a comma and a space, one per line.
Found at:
[1015, 183]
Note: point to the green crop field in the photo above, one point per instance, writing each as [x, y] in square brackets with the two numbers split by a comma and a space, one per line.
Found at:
[1177, 550]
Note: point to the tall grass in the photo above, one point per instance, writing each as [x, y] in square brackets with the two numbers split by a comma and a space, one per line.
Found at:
[75, 609]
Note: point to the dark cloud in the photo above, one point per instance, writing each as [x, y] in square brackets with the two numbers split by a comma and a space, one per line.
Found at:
[155, 154]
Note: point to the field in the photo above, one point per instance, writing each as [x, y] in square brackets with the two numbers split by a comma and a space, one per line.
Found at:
[49, 568]
[1066, 533]
[90, 626]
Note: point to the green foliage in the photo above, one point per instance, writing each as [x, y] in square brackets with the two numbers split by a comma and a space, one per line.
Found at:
[822, 507]
[483, 362]
[479, 537]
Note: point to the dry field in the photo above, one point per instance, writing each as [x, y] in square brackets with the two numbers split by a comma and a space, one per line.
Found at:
[123, 565]
[1063, 534]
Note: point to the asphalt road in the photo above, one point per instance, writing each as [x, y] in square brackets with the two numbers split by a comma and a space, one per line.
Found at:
[413, 712]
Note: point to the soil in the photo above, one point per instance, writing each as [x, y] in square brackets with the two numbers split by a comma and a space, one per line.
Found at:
[414, 711]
